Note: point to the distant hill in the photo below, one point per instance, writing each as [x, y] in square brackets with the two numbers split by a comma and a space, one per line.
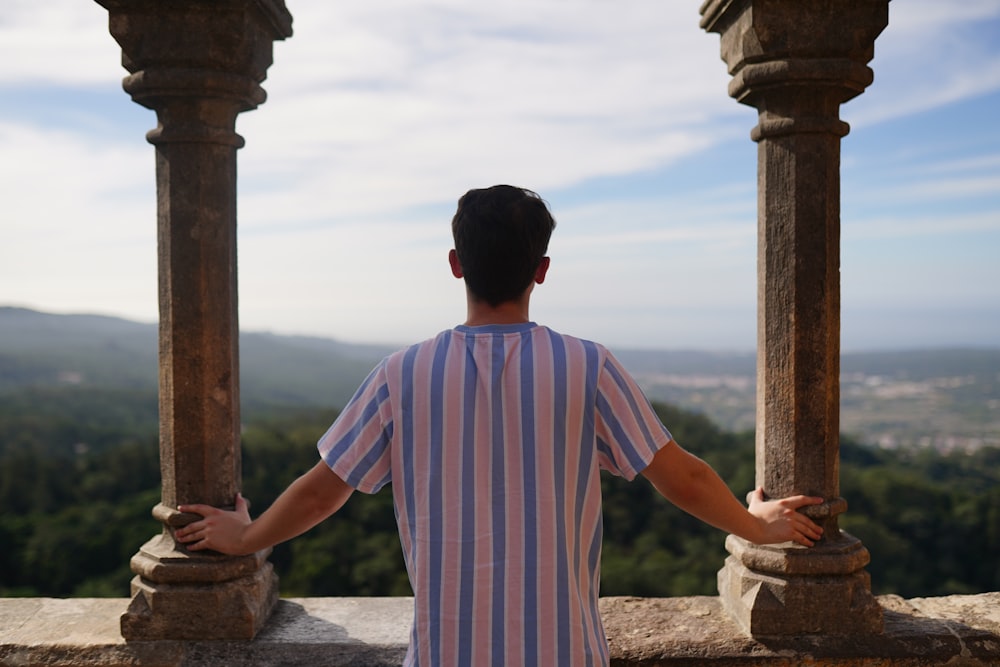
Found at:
[45, 350]
[944, 398]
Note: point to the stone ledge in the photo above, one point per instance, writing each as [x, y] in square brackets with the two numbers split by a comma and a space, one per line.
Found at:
[373, 632]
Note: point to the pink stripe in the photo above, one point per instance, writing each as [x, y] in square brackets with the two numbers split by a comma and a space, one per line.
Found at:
[546, 491]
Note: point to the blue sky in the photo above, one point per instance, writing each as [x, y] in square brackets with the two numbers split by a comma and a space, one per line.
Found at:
[380, 114]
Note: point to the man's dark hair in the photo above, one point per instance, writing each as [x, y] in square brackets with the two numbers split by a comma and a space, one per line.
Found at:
[501, 235]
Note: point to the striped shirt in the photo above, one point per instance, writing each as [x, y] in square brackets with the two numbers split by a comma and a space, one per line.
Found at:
[493, 438]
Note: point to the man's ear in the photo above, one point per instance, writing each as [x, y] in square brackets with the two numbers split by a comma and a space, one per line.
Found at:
[543, 268]
[456, 267]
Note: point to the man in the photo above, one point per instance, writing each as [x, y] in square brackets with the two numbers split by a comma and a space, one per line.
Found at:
[493, 435]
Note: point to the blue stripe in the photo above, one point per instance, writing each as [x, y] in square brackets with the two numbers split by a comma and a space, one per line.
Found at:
[563, 587]
[632, 395]
[530, 504]
[627, 447]
[435, 495]
[626, 389]
[406, 411]
[466, 599]
[499, 495]
[351, 437]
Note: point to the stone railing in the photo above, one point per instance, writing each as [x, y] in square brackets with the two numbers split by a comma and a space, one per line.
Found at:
[959, 631]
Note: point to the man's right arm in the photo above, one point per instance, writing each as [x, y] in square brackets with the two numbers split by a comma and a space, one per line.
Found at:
[306, 502]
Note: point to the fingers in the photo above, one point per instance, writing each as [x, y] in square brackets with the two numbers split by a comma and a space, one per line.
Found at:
[196, 536]
[241, 505]
[796, 502]
[203, 510]
[798, 529]
[756, 496]
[194, 543]
[807, 537]
[806, 530]
[787, 523]
[217, 529]
[803, 540]
[196, 530]
[191, 532]
[192, 535]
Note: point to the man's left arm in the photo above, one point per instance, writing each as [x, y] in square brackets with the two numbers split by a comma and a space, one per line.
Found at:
[694, 486]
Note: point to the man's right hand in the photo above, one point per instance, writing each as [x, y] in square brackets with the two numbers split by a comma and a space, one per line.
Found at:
[219, 530]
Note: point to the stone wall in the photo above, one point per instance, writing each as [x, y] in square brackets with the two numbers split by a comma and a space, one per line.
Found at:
[373, 632]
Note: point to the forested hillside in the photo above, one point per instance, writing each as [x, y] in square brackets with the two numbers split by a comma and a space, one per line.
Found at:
[79, 474]
[42, 350]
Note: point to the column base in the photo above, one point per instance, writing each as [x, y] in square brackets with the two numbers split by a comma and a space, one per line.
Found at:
[822, 590]
[182, 597]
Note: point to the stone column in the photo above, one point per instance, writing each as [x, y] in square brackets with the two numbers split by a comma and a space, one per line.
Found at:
[797, 61]
[198, 64]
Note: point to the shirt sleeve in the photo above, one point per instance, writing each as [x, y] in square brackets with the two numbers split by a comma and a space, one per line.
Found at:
[629, 433]
[357, 444]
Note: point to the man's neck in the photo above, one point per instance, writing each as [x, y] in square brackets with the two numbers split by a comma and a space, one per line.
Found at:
[480, 313]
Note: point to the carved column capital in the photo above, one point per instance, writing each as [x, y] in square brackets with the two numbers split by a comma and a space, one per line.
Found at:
[225, 35]
[757, 30]
[198, 64]
[797, 61]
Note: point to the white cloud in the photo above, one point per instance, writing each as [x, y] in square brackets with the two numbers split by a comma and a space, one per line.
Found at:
[394, 104]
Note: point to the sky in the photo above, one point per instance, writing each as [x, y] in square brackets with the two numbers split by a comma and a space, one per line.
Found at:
[381, 113]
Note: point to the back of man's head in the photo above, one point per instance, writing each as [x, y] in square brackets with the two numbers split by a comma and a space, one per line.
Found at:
[501, 235]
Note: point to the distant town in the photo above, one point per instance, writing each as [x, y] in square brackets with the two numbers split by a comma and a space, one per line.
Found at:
[896, 408]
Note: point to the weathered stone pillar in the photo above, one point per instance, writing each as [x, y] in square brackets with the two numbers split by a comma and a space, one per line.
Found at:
[198, 64]
[797, 61]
